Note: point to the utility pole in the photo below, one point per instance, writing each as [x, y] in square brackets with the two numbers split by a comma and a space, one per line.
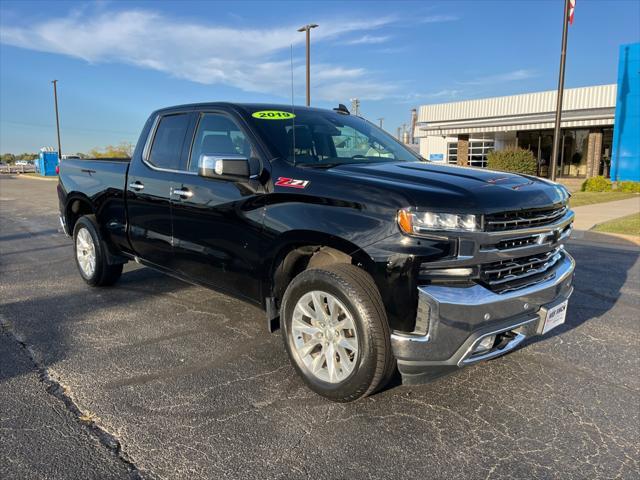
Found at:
[563, 56]
[307, 28]
[55, 99]
[380, 120]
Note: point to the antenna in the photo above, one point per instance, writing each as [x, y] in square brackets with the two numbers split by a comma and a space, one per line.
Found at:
[293, 110]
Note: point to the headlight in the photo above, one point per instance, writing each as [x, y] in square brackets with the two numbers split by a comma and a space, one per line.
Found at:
[416, 223]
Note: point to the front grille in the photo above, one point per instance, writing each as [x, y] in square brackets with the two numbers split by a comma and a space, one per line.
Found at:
[519, 272]
[499, 222]
[517, 242]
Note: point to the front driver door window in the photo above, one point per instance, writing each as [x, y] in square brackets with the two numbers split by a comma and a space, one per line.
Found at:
[218, 135]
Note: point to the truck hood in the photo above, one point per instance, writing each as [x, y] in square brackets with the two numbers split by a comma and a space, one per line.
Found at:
[458, 189]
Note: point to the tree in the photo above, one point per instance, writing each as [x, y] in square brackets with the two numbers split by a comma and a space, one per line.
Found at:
[8, 158]
[122, 150]
[514, 160]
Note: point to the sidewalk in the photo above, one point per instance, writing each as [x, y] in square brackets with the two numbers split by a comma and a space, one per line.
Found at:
[589, 216]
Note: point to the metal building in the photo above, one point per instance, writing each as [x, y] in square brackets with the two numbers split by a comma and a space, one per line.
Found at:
[600, 127]
[464, 132]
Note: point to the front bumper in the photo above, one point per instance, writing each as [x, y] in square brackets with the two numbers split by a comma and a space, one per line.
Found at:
[458, 318]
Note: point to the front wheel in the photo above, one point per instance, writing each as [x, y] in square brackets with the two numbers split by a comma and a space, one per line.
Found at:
[336, 332]
[91, 255]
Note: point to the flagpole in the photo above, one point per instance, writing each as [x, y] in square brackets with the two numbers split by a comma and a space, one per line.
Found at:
[563, 56]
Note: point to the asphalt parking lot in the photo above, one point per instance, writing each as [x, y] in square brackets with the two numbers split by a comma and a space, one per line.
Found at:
[160, 379]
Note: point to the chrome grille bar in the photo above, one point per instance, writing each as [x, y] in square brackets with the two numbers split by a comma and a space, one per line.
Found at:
[507, 273]
[515, 220]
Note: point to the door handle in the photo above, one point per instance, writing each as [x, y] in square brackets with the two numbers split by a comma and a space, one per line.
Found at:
[136, 185]
[182, 193]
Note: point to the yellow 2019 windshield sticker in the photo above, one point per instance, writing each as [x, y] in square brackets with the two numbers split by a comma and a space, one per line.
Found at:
[273, 115]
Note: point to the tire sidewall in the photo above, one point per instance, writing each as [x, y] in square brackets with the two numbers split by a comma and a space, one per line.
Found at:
[364, 371]
[87, 224]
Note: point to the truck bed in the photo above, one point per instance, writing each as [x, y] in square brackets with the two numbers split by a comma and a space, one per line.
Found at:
[102, 182]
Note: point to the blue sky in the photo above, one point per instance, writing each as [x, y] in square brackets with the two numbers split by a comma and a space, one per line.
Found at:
[117, 61]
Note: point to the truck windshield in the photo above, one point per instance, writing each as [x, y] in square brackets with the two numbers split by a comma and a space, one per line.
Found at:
[316, 138]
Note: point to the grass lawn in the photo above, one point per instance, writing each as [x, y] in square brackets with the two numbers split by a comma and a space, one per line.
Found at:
[629, 225]
[579, 199]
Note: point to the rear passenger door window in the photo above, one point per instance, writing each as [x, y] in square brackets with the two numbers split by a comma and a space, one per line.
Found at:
[168, 140]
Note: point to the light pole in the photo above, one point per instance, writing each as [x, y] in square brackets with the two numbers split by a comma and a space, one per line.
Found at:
[307, 28]
[563, 56]
[55, 100]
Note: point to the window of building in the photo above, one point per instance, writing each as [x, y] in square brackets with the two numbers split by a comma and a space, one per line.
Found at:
[452, 153]
[168, 140]
[607, 142]
[573, 153]
[478, 150]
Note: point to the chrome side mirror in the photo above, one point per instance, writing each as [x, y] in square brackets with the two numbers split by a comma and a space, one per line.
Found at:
[215, 166]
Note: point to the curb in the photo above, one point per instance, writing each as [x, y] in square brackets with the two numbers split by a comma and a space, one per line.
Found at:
[608, 240]
[31, 177]
[630, 238]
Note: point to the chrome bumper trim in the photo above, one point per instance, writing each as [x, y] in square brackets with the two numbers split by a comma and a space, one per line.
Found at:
[461, 316]
[469, 358]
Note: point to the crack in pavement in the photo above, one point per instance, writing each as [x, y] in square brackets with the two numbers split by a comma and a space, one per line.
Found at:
[55, 388]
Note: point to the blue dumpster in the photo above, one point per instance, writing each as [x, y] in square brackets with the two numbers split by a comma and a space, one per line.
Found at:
[46, 163]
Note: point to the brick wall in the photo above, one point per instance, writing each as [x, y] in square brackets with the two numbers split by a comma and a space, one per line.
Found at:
[463, 150]
[594, 154]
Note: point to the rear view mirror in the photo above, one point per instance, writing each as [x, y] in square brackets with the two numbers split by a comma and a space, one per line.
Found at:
[227, 166]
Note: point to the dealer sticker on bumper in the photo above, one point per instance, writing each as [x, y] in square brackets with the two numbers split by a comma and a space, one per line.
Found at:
[555, 316]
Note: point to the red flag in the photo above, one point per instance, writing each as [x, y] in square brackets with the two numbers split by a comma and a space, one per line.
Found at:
[572, 7]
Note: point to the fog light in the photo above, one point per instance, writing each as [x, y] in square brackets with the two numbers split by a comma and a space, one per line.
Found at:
[485, 344]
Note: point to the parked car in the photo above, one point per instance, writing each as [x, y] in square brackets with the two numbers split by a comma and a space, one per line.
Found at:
[368, 257]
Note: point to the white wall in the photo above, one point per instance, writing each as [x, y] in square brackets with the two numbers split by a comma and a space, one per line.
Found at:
[433, 146]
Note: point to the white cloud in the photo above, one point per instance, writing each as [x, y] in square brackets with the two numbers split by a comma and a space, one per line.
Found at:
[439, 19]
[448, 94]
[515, 75]
[369, 39]
[255, 60]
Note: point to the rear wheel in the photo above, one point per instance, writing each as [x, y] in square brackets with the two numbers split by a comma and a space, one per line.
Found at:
[91, 255]
[336, 332]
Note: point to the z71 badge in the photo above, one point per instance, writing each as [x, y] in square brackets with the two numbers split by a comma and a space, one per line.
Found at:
[291, 182]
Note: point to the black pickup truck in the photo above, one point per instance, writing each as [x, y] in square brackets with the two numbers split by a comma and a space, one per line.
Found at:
[369, 258]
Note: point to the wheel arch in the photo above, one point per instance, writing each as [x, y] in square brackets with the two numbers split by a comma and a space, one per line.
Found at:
[77, 205]
[299, 250]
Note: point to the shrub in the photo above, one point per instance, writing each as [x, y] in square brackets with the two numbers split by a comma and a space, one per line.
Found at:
[515, 160]
[628, 186]
[596, 184]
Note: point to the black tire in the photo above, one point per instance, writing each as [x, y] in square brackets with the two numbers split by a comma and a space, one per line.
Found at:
[103, 274]
[358, 293]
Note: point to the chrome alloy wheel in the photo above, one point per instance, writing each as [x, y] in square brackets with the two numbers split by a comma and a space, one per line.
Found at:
[325, 337]
[85, 252]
